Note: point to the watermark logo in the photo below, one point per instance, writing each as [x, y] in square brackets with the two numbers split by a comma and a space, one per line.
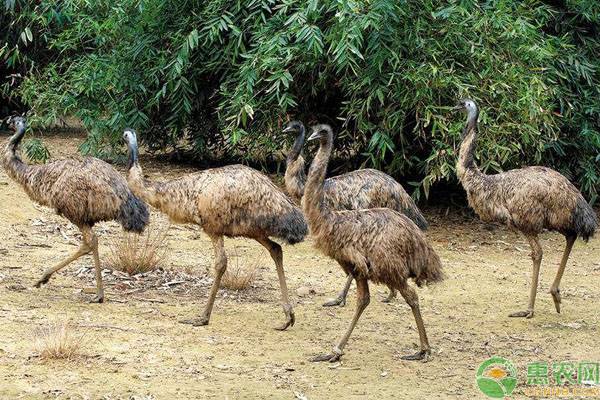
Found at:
[497, 377]
[568, 379]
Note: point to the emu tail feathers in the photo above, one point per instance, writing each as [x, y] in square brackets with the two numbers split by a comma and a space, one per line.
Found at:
[431, 270]
[415, 216]
[410, 209]
[584, 220]
[133, 215]
[290, 226]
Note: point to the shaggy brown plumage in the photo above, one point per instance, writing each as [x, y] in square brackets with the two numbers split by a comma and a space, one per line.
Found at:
[83, 191]
[380, 244]
[356, 190]
[230, 201]
[527, 200]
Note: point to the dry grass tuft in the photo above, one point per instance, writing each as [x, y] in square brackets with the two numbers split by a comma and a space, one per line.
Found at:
[241, 271]
[135, 254]
[58, 341]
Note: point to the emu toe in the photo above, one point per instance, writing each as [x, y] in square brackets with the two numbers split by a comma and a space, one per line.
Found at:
[331, 357]
[200, 321]
[390, 297]
[340, 301]
[557, 299]
[98, 299]
[522, 314]
[291, 320]
[420, 355]
[42, 281]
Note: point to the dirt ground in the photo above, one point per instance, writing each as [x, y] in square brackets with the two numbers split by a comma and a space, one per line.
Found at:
[134, 346]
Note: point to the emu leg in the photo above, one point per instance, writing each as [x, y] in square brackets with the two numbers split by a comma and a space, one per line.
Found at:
[84, 249]
[536, 256]
[554, 290]
[391, 296]
[412, 299]
[92, 240]
[341, 299]
[220, 267]
[277, 256]
[363, 299]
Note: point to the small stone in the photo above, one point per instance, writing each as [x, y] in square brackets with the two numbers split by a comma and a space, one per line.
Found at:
[573, 325]
[304, 291]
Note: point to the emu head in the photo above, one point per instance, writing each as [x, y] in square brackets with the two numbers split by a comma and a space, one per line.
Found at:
[472, 114]
[321, 132]
[294, 126]
[467, 104]
[17, 123]
[131, 139]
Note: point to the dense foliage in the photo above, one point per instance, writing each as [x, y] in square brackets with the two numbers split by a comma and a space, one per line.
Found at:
[225, 75]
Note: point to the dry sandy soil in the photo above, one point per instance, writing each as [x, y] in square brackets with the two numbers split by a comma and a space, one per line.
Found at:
[134, 347]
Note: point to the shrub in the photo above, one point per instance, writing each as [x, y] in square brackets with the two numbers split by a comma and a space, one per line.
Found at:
[226, 74]
[36, 151]
[58, 340]
[138, 253]
[241, 271]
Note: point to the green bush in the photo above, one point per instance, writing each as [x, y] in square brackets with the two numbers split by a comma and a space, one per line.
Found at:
[225, 74]
[36, 151]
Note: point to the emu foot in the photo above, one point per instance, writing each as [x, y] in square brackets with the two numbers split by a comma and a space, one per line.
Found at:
[556, 297]
[200, 321]
[334, 356]
[42, 281]
[340, 301]
[390, 297]
[420, 355]
[520, 314]
[98, 299]
[290, 318]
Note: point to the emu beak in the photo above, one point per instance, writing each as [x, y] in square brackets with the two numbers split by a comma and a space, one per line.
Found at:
[315, 135]
[288, 129]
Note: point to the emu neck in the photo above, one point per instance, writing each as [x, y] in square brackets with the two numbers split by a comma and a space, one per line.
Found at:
[132, 155]
[15, 140]
[140, 186]
[466, 162]
[295, 177]
[313, 204]
[296, 148]
[11, 161]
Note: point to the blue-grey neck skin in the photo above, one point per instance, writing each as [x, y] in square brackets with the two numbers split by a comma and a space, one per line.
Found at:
[472, 116]
[469, 136]
[11, 161]
[133, 152]
[17, 137]
[298, 144]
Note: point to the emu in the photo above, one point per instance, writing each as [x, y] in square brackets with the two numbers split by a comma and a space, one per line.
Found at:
[229, 201]
[527, 200]
[83, 191]
[356, 190]
[378, 244]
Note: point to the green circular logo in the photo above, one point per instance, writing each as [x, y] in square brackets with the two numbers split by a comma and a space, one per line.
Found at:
[497, 377]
